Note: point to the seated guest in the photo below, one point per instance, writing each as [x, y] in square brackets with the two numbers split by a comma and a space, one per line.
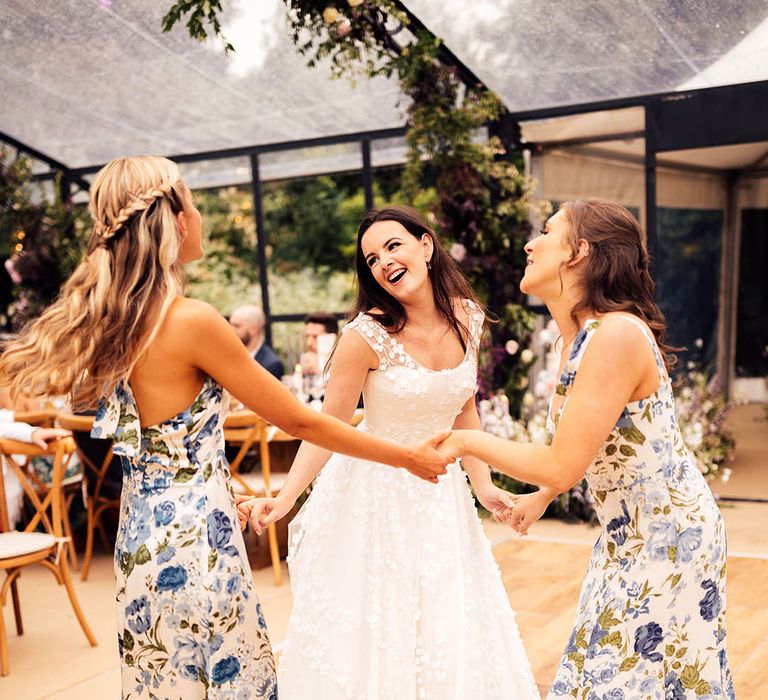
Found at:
[248, 322]
[315, 325]
[21, 432]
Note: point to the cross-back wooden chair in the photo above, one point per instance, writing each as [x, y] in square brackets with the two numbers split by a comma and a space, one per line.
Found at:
[71, 486]
[32, 546]
[95, 503]
[246, 429]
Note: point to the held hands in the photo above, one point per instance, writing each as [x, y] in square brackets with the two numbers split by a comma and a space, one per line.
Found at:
[429, 458]
[262, 512]
[527, 509]
[42, 436]
[496, 501]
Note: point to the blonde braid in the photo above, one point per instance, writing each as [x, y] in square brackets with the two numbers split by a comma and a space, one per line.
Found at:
[111, 308]
[141, 202]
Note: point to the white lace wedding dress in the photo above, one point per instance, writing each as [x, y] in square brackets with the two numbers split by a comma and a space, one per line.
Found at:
[396, 593]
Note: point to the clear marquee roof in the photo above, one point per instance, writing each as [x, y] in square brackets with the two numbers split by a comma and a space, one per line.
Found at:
[83, 81]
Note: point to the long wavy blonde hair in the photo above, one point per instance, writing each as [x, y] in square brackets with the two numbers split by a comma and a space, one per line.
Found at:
[110, 309]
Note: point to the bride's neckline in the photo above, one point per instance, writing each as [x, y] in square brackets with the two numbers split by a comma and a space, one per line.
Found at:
[421, 365]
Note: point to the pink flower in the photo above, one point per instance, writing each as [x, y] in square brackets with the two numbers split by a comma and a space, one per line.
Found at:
[458, 252]
[13, 273]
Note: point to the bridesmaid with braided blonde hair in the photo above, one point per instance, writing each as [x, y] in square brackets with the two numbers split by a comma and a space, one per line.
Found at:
[123, 335]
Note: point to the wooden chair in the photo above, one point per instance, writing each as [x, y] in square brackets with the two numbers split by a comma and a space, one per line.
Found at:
[95, 503]
[20, 549]
[71, 486]
[246, 428]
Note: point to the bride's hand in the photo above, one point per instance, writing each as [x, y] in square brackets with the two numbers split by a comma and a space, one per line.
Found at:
[427, 461]
[496, 501]
[528, 508]
[265, 511]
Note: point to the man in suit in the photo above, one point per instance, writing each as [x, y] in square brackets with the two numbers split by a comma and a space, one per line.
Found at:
[248, 322]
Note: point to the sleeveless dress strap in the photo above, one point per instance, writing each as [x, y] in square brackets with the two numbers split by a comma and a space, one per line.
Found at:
[581, 341]
[387, 349]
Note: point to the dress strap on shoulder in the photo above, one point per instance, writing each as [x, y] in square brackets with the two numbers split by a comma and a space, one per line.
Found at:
[387, 349]
[476, 321]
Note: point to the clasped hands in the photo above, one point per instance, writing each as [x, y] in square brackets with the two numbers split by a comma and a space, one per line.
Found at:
[428, 461]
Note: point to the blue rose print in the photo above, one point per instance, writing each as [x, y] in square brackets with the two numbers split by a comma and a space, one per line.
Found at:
[225, 670]
[137, 528]
[615, 694]
[602, 667]
[220, 532]
[617, 528]
[188, 658]
[164, 512]
[171, 578]
[138, 615]
[711, 603]
[673, 687]
[177, 524]
[688, 541]
[663, 536]
[647, 638]
[650, 621]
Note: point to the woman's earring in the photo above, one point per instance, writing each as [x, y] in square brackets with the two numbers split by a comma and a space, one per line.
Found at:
[429, 264]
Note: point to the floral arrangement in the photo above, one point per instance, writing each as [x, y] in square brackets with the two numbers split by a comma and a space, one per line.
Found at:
[702, 409]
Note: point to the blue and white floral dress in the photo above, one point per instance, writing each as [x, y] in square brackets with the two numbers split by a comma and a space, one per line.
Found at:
[651, 617]
[189, 622]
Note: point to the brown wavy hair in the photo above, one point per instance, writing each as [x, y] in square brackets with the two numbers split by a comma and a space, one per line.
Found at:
[448, 282]
[110, 309]
[617, 276]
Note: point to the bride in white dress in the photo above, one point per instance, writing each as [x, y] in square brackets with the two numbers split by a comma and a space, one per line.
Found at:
[396, 593]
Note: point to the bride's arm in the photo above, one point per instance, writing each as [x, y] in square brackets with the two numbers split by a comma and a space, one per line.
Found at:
[351, 362]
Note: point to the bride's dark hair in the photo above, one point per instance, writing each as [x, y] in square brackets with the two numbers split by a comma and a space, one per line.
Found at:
[448, 282]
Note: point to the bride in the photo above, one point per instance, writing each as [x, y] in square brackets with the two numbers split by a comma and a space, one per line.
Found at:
[396, 593]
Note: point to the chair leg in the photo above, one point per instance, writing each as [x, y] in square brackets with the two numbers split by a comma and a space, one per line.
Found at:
[4, 668]
[17, 608]
[75, 604]
[88, 541]
[274, 553]
[68, 531]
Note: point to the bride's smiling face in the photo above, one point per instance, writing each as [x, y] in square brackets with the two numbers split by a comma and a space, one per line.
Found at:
[396, 258]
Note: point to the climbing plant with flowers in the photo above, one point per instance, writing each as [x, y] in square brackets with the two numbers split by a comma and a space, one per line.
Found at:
[477, 197]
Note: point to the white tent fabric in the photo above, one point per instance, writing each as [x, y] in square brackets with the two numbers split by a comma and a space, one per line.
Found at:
[542, 54]
[86, 80]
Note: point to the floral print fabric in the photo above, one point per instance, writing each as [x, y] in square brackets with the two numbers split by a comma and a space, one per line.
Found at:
[651, 617]
[189, 622]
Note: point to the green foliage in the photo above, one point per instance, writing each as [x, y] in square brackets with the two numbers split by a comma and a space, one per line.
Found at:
[312, 223]
[42, 241]
[201, 12]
